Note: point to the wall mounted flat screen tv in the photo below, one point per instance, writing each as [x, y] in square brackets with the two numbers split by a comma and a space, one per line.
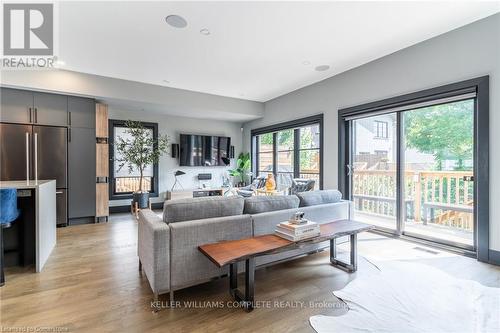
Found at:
[202, 150]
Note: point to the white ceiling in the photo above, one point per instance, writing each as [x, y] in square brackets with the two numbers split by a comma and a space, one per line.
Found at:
[255, 50]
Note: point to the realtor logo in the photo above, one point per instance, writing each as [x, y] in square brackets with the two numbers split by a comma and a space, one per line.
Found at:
[28, 29]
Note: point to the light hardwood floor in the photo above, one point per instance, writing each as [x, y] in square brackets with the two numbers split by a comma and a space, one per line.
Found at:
[92, 284]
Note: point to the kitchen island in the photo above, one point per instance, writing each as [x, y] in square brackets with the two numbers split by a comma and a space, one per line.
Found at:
[44, 192]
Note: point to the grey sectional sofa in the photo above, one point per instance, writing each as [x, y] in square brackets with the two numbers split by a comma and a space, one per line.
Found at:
[168, 246]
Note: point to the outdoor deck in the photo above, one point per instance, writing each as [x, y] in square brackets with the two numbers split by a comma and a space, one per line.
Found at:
[429, 230]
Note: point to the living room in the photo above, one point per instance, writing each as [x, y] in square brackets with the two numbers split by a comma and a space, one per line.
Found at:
[250, 166]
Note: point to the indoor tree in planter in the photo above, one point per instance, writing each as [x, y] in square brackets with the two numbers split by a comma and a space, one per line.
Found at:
[136, 150]
[243, 165]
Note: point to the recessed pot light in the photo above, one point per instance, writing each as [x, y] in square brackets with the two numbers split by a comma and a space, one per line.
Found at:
[322, 68]
[306, 62]
[176, 21]
[205, 32]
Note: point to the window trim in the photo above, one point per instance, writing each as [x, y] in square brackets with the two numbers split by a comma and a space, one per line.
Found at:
[112, 123]
[292, 124]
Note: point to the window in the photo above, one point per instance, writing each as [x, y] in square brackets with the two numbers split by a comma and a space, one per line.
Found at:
[266, 154]
[289, 150]
[285, 160]
[381, 129]
[123, 183]
[309, 158]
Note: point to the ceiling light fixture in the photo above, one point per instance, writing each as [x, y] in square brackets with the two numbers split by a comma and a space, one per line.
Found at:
[306, 62]
[176, 21]
[205, 31]
[322, 68]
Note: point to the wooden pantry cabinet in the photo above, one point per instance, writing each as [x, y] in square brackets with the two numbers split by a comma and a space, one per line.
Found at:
[102, 162]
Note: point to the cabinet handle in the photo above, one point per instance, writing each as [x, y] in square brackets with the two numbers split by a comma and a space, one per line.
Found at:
[36, 115]
[69, 134]
[29, 113]
[69, 118]
[36, 157]
[27, 157]
[59, 192]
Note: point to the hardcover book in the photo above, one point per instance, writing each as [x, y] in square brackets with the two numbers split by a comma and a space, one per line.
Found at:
[296, 238]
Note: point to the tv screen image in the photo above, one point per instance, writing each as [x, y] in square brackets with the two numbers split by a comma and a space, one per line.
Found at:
[203, 150]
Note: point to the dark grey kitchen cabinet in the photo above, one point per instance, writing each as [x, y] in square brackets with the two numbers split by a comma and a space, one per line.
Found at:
[50, 109]
[82, 173]
[61, 207]
[17, 106]
[81, 112]
[13, 148]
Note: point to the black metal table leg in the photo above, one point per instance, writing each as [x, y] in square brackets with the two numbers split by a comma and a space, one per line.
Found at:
[354, 252]
[333, 249]
[233, 279]
[246, 299]
[249, 283]
[352, 266]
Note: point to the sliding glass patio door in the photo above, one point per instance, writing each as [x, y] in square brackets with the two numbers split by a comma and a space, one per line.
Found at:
[411, 170]
[373, 170]
[438, 169]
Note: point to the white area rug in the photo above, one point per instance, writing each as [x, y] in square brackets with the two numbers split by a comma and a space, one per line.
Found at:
[411, 297]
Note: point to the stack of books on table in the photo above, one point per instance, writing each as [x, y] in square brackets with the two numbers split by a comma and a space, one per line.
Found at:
[295, 232]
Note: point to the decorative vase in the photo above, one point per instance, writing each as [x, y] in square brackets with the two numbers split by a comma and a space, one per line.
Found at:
[142, 199]
[270, 182]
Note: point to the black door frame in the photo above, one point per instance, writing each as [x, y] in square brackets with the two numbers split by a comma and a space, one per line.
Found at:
[478, 85]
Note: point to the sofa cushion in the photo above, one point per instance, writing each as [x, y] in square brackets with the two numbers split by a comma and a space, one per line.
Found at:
[313, 198]
[201, 208]
[265, 223]
[261, 204]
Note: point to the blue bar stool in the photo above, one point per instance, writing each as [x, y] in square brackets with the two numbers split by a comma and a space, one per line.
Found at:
[8, 214]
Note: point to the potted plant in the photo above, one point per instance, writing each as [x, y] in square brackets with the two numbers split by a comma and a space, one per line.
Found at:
[137, 150]
[242, 168]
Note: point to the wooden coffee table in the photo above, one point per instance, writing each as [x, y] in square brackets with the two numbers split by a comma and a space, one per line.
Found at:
[231, 252]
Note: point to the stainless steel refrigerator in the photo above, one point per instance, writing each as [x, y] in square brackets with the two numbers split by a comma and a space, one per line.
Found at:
[36, 152]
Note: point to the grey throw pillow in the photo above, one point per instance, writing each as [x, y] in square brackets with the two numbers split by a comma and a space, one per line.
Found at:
[201, 208]
[261, 204]
[313, 198]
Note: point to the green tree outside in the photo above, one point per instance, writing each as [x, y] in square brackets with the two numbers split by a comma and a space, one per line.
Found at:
[285, 141]
[445, 130]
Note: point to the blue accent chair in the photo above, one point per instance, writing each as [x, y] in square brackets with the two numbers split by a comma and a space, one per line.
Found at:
[8, 214]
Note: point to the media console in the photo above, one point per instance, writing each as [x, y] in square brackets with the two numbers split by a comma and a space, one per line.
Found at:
[206, 192]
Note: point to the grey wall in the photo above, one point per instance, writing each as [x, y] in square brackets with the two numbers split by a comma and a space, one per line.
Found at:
[465, 53]
[173, 126]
